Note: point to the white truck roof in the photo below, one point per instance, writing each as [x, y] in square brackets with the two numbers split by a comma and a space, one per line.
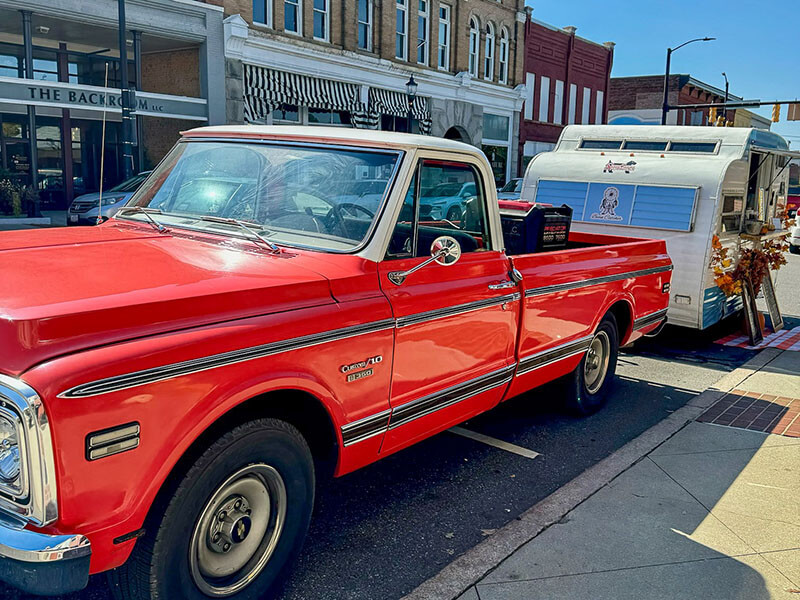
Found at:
[343, 135]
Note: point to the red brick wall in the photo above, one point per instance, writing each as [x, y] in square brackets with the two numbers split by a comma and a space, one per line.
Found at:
[562, 56]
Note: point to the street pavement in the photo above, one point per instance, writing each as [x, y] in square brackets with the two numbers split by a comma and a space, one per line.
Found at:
[713, 512]
[382, 531]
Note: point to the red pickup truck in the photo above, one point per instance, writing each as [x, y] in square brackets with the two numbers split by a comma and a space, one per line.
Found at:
[170, 379]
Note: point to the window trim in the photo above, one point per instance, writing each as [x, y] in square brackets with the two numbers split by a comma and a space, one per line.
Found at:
[326, 15]
[299, 5]
[503, 57]
[268, 13]
[488, 52]
[473, 66]
[426, 45]
[368, 23]
[447, 23]
[401, 6]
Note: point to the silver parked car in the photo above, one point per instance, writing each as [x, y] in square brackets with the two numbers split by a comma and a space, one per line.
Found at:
[511, 191]
[84, 209]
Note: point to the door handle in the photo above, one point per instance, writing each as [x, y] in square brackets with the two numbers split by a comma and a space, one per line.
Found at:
[502, 286]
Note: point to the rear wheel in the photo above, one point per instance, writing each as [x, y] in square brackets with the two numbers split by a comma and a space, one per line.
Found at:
[794, 249]
[235, 521]
[587, 387]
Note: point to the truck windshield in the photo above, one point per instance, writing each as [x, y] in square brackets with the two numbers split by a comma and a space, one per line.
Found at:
[321, 197]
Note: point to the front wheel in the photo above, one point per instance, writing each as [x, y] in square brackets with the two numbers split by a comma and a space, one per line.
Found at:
[794, 249]
[235, 521]
[587, 387]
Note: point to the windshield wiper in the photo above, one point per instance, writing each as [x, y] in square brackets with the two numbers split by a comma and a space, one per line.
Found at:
[147, 213]
[243, 225]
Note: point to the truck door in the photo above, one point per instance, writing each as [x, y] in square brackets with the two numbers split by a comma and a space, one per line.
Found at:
[456, 324]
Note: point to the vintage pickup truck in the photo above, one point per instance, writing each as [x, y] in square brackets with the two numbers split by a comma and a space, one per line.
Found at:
[172, 381]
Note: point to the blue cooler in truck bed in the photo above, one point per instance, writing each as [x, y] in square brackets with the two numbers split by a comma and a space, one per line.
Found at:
[536, 228]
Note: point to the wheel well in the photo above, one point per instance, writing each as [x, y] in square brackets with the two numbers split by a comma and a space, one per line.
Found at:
[296, 407]
[622, 313]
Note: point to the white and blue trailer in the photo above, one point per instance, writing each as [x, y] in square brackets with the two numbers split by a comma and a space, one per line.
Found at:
[680, 184]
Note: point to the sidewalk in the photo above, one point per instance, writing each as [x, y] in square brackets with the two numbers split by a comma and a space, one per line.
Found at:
[713, 512]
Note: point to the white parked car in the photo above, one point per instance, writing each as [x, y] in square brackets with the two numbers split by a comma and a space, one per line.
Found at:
[794, 239]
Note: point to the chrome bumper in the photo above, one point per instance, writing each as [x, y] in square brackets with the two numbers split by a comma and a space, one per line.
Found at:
[42, 564]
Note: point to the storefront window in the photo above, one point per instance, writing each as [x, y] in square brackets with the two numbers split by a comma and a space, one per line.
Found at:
[318, 116]
[498, 158]
[286, 113]
[495, 127]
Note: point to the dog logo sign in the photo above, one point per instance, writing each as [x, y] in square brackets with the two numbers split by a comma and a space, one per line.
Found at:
[608, 206]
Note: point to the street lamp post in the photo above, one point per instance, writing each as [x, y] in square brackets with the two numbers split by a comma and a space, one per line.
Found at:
[411, 92]
[665, 106]
[725, 108]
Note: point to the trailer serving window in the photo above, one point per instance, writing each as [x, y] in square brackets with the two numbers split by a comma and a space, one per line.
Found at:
[731, 217]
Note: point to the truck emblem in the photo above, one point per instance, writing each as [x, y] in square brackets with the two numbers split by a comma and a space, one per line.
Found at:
[359, 370]
[627, 167]
[608, 205]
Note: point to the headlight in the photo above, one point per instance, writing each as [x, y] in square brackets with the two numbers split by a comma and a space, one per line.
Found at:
[9, 456]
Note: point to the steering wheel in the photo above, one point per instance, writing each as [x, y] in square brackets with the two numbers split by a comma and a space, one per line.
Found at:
[338, 212]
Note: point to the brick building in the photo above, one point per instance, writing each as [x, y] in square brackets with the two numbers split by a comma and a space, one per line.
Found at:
[566, 81]
[347, 63]
[638, 101]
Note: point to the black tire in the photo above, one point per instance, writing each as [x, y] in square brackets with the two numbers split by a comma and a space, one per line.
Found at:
[585, 396]
[794, 249]
[160, 567]
[455, 214]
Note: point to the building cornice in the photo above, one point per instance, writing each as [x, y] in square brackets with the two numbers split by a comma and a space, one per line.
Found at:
[352, 67]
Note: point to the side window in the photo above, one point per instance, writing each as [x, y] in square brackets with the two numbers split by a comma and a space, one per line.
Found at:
[444, 198]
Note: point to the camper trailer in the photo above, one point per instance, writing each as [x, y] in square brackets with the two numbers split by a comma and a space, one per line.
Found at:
[680, 184]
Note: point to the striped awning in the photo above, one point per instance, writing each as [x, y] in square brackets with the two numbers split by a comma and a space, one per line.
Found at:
[389, 102]
[266, 89]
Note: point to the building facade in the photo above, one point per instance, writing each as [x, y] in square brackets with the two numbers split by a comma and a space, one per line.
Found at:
[59, 144]
[638, 101]
[566, 82]
[348, 64]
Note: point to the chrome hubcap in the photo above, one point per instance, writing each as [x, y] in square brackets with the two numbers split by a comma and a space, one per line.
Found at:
[238, 530]
[596, 362]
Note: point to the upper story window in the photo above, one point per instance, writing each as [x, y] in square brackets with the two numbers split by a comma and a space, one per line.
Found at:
[365, 25]
[474, 46]
[422, 32]
[401, 30]
[502, 76]
[444, 37]
[488, 67]
[322, 20]
[293, 16]
[262, 12]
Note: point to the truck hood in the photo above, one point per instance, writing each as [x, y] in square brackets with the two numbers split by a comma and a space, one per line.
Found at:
[68, 289]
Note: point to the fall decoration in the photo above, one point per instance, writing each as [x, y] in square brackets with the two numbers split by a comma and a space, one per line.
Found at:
[752, 265]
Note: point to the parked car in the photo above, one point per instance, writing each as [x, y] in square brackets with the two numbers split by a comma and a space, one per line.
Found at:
[170, 378]
[84, 209]
[794, 238]
[446, 200]
[511, 190]
[793, 200]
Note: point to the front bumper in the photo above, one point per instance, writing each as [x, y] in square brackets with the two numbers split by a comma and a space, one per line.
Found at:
[42, 564]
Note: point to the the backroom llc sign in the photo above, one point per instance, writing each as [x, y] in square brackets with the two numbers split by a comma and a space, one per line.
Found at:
[64, 95]
[83, 98]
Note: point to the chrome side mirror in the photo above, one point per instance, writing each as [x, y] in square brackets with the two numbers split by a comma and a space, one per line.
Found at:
[445, 250]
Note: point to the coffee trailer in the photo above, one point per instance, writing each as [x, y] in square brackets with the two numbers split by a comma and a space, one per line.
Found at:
[680, 184]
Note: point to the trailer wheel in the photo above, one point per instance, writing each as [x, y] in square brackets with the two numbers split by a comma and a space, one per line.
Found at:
[587, 387]
[794, 249]
[233, 524]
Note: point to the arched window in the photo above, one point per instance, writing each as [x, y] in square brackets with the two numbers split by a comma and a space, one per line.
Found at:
[502, 76]
[488, 67]
[474, 46]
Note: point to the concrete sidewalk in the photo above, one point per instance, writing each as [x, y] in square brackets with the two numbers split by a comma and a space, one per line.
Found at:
[713, 512]
[705, 505]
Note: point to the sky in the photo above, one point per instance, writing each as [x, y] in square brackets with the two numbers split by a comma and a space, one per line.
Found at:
[757, 45]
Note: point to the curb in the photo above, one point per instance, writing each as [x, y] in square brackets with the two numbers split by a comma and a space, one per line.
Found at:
[476, 563]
